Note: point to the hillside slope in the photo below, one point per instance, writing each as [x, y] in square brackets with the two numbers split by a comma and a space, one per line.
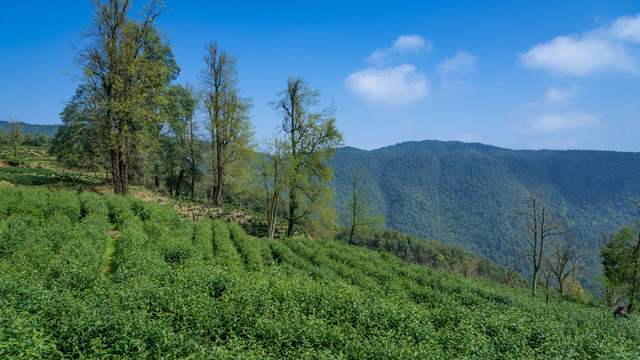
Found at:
[89, 276]
[465, 194]
[49, 130]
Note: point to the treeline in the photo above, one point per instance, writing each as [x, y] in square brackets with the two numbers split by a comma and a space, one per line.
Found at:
[129, 119]
[28, 139]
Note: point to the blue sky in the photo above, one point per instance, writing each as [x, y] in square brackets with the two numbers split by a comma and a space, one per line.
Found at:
[514, 74]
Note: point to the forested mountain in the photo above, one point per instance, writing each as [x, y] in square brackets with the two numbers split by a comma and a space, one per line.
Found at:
[49, 130]
[466, 194]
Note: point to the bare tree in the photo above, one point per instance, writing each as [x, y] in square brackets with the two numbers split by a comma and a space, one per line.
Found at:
[539, 225]
[563, 260]
[507, 275]
[360, 212]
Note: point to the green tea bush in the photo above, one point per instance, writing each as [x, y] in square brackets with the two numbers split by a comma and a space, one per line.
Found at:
[136, 255]
[65, 202]
[93, 204]
[10, 200]
[203, 239]
[225, 253]
[163, 298]
[16, 232]
[249, 249]
[177, 247]
[119, 209]
[34, 202]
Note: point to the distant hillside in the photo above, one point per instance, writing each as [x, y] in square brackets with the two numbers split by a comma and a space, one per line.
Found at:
[464, 194]
[49, 130]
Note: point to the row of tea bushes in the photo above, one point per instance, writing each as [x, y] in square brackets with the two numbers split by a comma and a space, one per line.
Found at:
[179, 289]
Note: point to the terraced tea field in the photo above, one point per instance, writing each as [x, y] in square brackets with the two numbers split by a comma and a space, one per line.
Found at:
[102, 276]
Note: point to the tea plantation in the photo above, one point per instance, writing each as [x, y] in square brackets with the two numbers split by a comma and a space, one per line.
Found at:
[103, 276]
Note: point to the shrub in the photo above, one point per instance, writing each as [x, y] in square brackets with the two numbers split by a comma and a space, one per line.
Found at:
[65, 202]
[249, 249]
[203, 239]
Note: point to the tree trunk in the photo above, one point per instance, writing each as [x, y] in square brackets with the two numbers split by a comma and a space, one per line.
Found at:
[353, 211]
[219, 170]
[292, 210]
[124, 175]
[271, 219]
[219, 193]
[535, 283]
[193, 175]
[179, 182]
[115, 172]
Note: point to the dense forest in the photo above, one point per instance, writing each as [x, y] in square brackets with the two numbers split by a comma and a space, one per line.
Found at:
[468, 194]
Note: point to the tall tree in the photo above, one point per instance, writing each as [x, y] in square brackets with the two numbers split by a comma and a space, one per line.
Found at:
[621, 262]
[270, 167]
[229, 124]
[126, 65]
[77, 143]
[360, 213]
[180, 113]
[312, 139]
[539, 225]
[15, 135]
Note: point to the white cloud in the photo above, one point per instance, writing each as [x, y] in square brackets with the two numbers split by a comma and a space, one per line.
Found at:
[564, 144]
[395, 85]
[410, 42]
[462, 61]
[556, 95]
[626, 29]
[596, 50]
[553, 123]
[402, 44]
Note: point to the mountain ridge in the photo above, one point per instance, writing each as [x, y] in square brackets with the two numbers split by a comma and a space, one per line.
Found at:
[464, 194]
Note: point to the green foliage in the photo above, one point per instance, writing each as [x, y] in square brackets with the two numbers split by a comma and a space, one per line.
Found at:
[225, 253]
[621, 264]
[311, 139]
[248, 248]
[168, 298]
[203, 239]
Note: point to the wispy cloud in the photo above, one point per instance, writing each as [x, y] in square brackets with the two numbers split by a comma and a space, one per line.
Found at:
[554, 123]
[461, 62]
[470, 137]
[561, 144]
[401, 45]
[604, 48]
[394, 85]
[626, 28]
[558, 95]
